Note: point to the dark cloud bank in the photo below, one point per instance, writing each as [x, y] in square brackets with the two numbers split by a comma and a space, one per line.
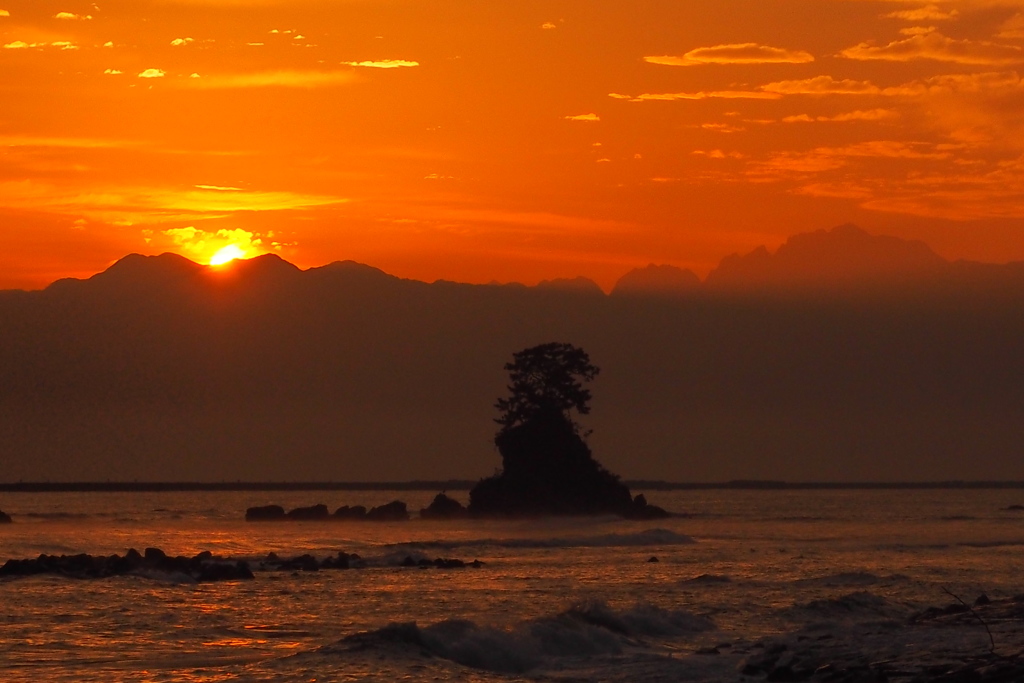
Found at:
[842, 357]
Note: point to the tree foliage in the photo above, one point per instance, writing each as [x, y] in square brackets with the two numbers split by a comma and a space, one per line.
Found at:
[544, 380]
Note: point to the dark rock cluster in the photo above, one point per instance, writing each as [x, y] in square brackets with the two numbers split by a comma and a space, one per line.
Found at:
[309, 563]
[395, 511]
[202, 568]
[4, 518]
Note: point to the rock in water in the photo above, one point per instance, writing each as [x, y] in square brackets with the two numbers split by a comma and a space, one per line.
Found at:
[394, 511]
[356, 512]
[312, 512]
[443, 507]
[4, 518]
[548, 470]
[264, 513]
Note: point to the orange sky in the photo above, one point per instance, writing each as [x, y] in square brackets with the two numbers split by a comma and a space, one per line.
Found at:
[521, 140]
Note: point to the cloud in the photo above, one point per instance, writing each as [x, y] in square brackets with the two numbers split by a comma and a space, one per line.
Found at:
[72, 16]
[926, 13]
[938, 47]
[716, 154]
[822, 85]
[22, 45]
[219, 188]
[583, 117]
[152, 73]
[989, 82]
[112, 72]
[384, 63]
[151, 204]
[958, 195]
[68, 143]
[715, 94]
[178, 42]
[858, 115]
[917, 30]
[201, 244]
[722, 127]
[4, 13]
[547, 26]
[1012, 27]
[739, 53]
[266, 79]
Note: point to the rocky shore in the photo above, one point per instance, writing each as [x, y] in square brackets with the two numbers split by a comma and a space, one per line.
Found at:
[204, 567]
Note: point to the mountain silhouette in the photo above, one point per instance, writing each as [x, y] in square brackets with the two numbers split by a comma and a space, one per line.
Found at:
[657, 280]
[845, 256]
[163, 369]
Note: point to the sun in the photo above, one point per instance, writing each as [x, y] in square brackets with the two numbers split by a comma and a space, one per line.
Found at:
[226, 254]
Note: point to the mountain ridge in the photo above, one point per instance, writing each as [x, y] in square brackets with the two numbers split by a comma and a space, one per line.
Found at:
[844, 258]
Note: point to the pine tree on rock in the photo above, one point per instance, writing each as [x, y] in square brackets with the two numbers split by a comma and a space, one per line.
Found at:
[547, 466]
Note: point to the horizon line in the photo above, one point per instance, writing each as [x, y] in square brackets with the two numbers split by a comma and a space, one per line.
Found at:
[467, 484]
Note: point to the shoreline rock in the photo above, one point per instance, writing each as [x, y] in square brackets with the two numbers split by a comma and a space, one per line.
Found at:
[5, 518]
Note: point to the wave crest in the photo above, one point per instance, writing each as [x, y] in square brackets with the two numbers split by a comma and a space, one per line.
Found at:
[588, 629]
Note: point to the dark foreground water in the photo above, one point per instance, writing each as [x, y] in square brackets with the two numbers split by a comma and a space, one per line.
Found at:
[814, 582]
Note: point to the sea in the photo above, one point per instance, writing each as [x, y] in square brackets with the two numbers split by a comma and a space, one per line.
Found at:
[738, 585]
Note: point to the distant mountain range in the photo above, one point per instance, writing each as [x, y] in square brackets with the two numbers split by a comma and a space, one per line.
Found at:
[842, 356]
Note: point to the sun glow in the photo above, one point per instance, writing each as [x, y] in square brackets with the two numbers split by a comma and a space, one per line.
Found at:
[227, 254]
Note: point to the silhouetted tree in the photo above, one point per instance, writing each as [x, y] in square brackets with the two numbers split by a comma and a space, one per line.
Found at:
[546, 380]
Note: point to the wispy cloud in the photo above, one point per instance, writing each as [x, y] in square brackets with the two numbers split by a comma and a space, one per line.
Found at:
[4, 13]
[858, 115]
[150, 205]
[926, 13]
[72, 16]
[22, 45]
[717, 154]
[703, 95]
[68, 143]
[1012, 27]
[936, 46]
[152, 73]
[384, 63]
[179, 42]
[282, 78]
[822, 85]
[583, 117]
[739, 53]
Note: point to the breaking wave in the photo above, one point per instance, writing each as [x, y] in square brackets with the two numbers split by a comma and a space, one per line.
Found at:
[588, 629]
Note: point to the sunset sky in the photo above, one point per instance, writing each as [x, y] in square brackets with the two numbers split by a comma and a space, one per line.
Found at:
[518, 140]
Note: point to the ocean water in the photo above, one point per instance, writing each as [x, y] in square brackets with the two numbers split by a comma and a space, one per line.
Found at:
[833, 580]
